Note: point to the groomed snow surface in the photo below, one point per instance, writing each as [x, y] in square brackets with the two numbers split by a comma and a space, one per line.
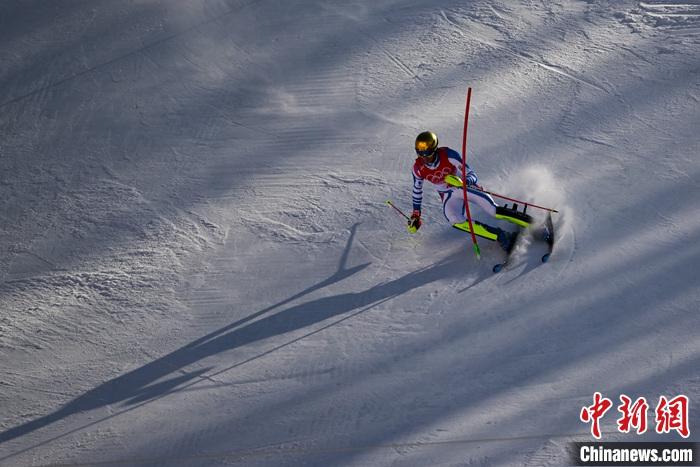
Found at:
[198, 266]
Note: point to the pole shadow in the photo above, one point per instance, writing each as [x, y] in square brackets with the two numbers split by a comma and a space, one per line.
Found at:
[147, 383]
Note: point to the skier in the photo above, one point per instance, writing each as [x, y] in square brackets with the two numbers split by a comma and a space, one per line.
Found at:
[434, 164]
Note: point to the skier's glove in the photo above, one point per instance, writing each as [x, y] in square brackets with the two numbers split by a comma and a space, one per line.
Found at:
[471, 180]
[414, 222]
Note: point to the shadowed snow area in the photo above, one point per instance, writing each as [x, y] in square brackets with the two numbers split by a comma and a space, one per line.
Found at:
[198, 266]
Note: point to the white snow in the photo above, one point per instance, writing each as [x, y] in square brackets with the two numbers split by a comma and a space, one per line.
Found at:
[198, 265]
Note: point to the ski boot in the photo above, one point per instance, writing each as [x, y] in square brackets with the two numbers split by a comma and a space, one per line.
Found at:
[507, 240]
[514, 216]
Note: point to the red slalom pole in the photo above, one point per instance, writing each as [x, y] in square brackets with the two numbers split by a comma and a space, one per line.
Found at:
[464, 174]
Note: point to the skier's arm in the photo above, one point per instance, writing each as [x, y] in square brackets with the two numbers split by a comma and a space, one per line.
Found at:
[417, 192]
[414, 222]
[456, 160]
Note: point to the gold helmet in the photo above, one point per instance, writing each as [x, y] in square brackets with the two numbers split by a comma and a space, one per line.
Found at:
[426, 144]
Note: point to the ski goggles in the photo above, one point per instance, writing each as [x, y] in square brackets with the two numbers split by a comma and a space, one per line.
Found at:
[426, 153]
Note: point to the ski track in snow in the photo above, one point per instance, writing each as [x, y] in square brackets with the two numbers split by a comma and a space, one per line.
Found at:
[199, 266]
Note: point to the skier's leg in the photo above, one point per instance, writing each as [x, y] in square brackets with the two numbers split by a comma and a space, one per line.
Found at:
[483, 200]
[453, 208]
[486, 202]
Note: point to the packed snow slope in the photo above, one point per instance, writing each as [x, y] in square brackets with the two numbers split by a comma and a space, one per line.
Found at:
[198, 265]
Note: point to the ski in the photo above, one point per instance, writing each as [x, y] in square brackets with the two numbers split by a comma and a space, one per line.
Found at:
[549, 237]
[546, 234]
[509, 254]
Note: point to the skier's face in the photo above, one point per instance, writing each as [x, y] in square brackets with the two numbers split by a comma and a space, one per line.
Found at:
[428, 153]
[428, 156]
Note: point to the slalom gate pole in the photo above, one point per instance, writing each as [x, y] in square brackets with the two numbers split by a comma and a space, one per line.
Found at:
[397, 209]
[464, 174]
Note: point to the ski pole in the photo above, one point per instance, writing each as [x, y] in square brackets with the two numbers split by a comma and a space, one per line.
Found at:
[397, 209]
[515, 200]
[458, 183]
[464, 174]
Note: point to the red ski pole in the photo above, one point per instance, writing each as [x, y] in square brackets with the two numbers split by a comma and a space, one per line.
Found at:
[398, 210]
[515, 200]
[464, 174]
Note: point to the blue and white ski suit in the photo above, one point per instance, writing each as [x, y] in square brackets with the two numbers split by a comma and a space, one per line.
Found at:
[449, 162]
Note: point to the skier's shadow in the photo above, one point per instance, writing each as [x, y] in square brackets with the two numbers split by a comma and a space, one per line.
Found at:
[144, 383]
